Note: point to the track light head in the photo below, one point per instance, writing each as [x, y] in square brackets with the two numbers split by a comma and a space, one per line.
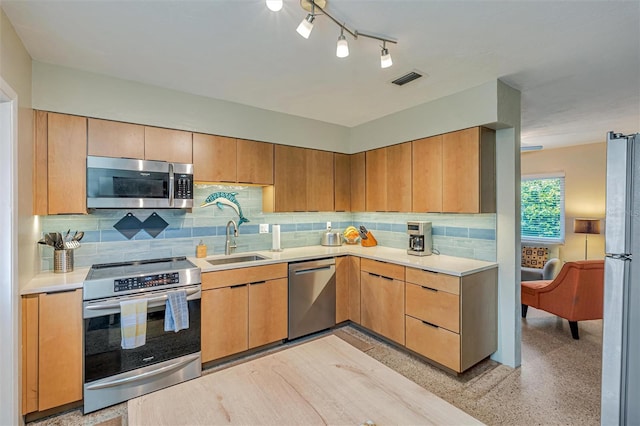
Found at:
[305, 27]
[385, 57]
[342, 48]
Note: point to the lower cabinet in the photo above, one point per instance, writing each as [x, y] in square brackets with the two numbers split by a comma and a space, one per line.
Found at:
[342, 289]
[243, 309]
[51, 350]
[451, 320]
[382, 299]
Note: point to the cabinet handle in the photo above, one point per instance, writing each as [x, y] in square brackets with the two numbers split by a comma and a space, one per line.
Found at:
[386, 278]
[258, 282]
[372, 274]
[238, 285]
[429, 288]
[429, 324]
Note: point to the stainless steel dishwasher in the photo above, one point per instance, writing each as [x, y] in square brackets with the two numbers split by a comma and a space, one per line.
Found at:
[312, 296]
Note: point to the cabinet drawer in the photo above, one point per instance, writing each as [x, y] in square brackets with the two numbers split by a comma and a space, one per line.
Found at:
[433, 306]
[382, 268]
[434, 280]
[435, 343]
[230, 277]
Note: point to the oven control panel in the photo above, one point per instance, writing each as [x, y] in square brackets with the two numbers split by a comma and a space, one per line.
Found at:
[147, 281]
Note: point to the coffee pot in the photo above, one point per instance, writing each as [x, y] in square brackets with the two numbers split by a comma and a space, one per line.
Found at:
[420, 238]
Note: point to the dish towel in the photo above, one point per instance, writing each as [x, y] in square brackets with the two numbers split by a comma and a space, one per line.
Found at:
[133, 323]
[176, 315]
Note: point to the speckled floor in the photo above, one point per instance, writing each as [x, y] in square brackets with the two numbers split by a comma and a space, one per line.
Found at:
[558, 382]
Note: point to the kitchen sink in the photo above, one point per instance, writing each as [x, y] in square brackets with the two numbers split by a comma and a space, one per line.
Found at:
[236, 259]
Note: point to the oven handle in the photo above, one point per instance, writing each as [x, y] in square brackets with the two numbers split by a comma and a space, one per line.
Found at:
[154, 301]
[125, 380]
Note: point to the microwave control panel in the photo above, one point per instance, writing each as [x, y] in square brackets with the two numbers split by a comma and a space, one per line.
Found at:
[184, 187]
[147, 281]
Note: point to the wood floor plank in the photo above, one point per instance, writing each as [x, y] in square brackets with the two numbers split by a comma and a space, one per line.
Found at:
[324, 381]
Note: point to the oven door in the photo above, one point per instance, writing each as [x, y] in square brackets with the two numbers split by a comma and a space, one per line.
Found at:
[103, 354]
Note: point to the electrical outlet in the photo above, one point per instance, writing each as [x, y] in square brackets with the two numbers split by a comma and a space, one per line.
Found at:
[328, 225]
[264, 228]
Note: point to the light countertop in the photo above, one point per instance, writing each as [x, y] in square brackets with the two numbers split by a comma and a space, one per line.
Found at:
[48, 282]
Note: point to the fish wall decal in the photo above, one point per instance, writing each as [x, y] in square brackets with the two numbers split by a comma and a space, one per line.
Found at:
[225, 199]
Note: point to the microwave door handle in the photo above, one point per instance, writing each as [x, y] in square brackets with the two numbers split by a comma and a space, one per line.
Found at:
[171, 184]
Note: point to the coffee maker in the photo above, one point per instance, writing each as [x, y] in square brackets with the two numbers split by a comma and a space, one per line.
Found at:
[420, 238]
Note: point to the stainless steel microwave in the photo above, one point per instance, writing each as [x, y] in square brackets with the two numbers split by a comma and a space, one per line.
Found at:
[127, 183]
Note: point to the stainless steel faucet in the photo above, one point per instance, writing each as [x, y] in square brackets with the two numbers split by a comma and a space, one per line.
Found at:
[227, 245]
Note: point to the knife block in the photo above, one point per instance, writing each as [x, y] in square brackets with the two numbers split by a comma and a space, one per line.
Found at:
[370, 241]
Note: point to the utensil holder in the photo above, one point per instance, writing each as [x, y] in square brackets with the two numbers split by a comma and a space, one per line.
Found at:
[62, 261]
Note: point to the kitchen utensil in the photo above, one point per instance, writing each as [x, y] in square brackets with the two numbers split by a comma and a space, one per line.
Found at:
[78, 236]
[331, 238]
[363, 232]
[73, 244]
[48, 240]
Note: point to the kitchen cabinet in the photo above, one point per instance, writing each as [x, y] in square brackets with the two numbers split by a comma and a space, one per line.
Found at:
[358, 179]
[255, 162]
[214, 158]
[382, 298]
[388, 178]
[170, 145]
[52, 350]
[115, 139]
[342, 187]
[342, 289]
[242, 309]
[60, 167]
[426, 172]
[353, 266]
[303, 179]
[468, 171]
[451, 320]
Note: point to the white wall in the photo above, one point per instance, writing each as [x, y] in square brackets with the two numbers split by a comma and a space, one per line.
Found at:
[71, 91]
[585, 172]
[15, 72]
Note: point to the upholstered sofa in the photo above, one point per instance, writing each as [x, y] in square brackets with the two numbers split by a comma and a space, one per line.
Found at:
[537, 264]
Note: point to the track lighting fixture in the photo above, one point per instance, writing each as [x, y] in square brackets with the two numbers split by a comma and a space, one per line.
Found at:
[385, 57]
[305, 27]
[342, 47]
[274, 5]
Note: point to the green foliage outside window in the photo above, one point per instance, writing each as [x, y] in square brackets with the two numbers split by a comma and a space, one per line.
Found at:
[542, 202]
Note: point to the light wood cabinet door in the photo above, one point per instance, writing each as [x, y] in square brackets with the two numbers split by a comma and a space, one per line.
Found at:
[29, 353]
[433, 306]
[115, 139]
[67, 164]
[358, 193]
[214, 158]
[468, 171]
[354, 288]
[40, 163]
[436, 343]
[255, 162]
[399, 177]
[60, 349]
[290, 181]
[225, 322]
[320, 180]
[174, 146]
[268, 312]
[426, 174]
[342, 289]
[376, 180]
[342, 166]
[382, 306]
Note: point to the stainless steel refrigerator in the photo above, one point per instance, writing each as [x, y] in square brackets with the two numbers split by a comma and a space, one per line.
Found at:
[621, 324]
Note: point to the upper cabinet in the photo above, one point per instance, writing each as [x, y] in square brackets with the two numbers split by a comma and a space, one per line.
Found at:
[303, 179]
[342, 181]
[115, 139]
[168, 145]
[255, 162]
[468, 171]
[388, 178]
[427, 174]
[357, 164]
[214, 158]
[60, 164]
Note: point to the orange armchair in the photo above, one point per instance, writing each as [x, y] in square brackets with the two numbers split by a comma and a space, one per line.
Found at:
[576, 294]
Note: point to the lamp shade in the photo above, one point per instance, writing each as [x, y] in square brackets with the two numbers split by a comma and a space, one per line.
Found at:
[305, 27]
[274, 5]
[586, 226]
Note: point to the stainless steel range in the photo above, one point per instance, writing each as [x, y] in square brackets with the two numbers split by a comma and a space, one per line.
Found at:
[113, 374]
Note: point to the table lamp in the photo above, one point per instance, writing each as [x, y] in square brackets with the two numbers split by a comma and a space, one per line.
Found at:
[586, 226]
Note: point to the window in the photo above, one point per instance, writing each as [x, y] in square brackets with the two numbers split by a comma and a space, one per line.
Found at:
[542, 198]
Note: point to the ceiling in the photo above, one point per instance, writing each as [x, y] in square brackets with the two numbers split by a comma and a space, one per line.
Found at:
[576, 63]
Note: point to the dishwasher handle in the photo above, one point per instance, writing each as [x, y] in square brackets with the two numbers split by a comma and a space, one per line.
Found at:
[312, 266]
[312, 270]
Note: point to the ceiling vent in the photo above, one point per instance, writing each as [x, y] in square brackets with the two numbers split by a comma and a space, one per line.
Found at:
[407, 78]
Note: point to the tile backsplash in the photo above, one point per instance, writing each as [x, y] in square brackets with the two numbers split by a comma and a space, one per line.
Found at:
[470, 236]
